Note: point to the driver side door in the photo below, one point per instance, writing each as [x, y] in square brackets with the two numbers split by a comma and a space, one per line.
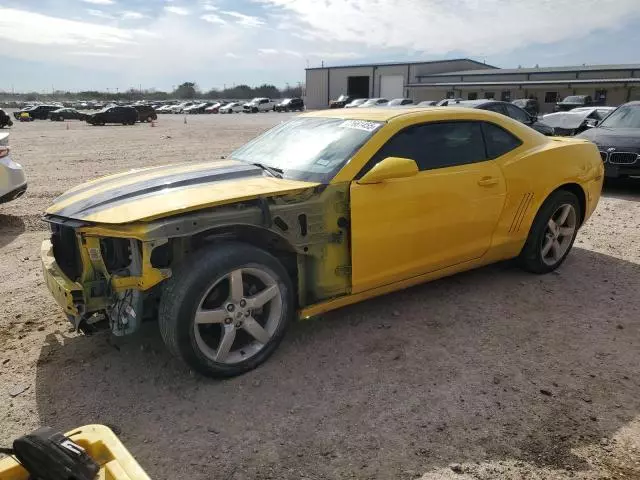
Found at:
[442, 216]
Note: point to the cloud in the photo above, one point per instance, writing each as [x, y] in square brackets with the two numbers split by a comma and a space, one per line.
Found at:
[208, 6]
[100, 14]
[440, 26]
[100, 2]
[293, 53]
[130, 15]
[52, 31]
[268, 51]
[244, 20]
[213, 18]
[176, 10]
[231, 55]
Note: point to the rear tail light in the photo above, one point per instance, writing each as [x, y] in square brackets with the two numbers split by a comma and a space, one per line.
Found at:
[4, 151]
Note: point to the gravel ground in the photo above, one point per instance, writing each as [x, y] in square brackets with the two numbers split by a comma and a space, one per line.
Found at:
[493, 373]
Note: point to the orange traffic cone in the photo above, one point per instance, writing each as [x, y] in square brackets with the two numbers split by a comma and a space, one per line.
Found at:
[153, 123]
[67, 125]
[185, 119]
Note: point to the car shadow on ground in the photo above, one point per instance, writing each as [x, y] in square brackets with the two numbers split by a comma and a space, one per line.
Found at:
[490, 364]
[11, 227]
[622, 188]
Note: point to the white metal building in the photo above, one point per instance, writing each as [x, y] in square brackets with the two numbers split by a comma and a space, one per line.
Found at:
[388, 80]
[468, 79]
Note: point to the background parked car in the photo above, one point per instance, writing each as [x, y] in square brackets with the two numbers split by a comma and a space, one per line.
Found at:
[66, 114]
[37, 112]
[374, 102]
[198, 108]
[573, 101]
[259, 104]
[508, 109]
[180, 107]
[164, 109]
[356, 102]
[117, 114]
[290, 105]
[427, 103]
[232, 107]
[398, 102]
[146, 113]
[576, 120]
[530, 105]
[215, 107]
[5, 120]
[341, 101]
[618, 139]
[13, 182]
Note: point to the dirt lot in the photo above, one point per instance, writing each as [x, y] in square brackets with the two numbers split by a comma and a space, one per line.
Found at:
[490, 374]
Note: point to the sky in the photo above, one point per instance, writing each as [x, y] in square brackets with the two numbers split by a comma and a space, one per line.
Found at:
[119, 44]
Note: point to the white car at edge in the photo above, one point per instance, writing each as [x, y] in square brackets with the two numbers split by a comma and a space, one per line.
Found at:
[259, 104]
[13, 181]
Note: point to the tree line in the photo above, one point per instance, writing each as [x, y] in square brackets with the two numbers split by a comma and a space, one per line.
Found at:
[184, 91]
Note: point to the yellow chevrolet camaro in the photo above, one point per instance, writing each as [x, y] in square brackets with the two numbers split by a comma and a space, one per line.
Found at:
[322, 211]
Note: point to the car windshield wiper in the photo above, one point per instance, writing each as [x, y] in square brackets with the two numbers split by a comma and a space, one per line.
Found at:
[273, 171]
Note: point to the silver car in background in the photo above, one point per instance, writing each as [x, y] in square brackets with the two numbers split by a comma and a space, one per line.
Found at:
[13, 182]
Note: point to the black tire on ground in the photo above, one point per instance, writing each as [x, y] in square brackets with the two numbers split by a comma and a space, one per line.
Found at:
[189, 284]
[531, 257]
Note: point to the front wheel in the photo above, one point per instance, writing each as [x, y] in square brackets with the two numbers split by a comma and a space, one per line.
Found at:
[226, 309]
[552, 233]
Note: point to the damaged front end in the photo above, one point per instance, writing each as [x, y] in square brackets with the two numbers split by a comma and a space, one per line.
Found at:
[115, 272]
[94, 275]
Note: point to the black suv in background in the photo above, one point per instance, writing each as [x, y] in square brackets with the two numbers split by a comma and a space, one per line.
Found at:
[341, 101]
[37, 112]
[573, 101]
[146, 113]
[115, 114]
[290, 105]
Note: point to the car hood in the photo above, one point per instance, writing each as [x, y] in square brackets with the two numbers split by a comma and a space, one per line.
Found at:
[566, 120]
[157, 192]
[627, 139]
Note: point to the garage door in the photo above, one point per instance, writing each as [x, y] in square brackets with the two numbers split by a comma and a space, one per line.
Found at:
[392, 86]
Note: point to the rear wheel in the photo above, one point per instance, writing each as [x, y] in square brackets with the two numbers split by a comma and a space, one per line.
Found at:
[226, 309]
[552, 234]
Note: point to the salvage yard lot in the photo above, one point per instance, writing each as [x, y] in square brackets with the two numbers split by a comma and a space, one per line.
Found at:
[500, 371]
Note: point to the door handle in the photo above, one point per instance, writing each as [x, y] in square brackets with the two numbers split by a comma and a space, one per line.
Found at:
[487, 181]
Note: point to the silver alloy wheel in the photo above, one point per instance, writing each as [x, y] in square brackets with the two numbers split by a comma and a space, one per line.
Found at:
[559, 233]
[259, 315]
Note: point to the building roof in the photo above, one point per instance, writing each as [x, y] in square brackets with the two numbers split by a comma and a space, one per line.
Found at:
[590, 81]
[507, 71]
[390, 64]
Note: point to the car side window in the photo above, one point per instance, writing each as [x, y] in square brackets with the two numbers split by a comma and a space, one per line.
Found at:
[498, 140]
[518, 114]
[436, 145]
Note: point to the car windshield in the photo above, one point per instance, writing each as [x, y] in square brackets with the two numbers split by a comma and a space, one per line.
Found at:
[573, 99]
[624, 117]
[310, 149]
[285, 101]
[342, 98]
[520, 103]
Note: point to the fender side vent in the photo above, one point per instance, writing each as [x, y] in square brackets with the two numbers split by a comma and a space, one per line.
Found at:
[520, 212]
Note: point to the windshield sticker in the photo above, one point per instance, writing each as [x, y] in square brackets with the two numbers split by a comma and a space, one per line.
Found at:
[360, 125]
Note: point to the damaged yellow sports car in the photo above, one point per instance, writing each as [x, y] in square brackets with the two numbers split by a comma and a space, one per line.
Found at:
[322, 211]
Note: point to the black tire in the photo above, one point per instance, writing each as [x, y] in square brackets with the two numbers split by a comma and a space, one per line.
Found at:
[531, 256]
[191, 281]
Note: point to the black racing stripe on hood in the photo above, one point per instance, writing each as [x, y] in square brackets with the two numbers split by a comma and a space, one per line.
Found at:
[109, 179]
[127, 193]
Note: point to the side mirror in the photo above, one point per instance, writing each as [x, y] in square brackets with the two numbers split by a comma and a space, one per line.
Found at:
[388, 169]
